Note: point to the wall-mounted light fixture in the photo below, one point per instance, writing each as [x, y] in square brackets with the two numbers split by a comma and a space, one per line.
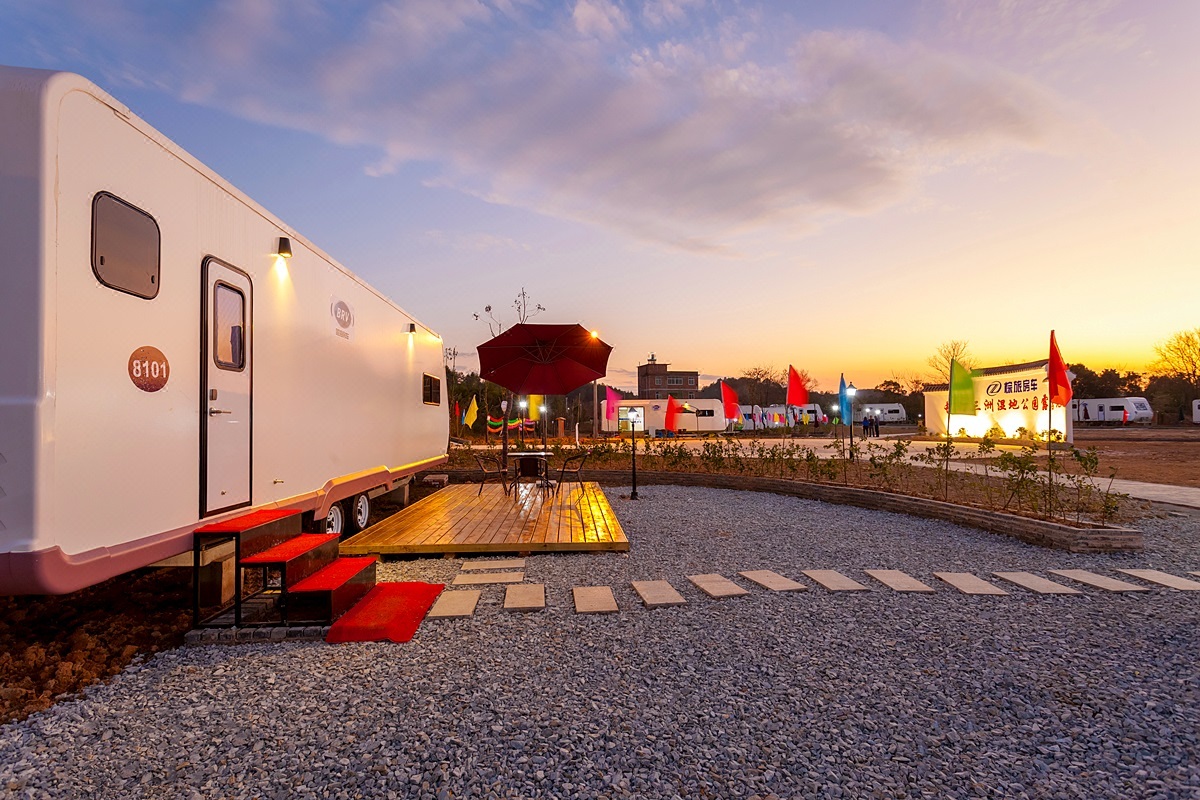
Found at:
[412, 327]
[285, 247]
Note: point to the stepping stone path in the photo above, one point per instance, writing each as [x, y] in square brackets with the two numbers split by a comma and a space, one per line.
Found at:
[658, 594]
[1099, 581]
[835, 581]
[1163, 579]
[1034, 583]
[526, 597]
[717, 586]
[451, 605]
[594, 600]
[897, 580]
[773, 581]
[508, 563]
[967, 583]
[488, 577]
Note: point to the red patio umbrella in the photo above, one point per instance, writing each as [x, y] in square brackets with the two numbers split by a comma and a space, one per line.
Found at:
[531, 358]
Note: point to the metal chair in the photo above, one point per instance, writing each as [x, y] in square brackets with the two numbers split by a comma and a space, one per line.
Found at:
[490, 467]
[571, 469]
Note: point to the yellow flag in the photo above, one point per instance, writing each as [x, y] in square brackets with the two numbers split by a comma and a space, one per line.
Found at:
[472, 412]
[535, 404]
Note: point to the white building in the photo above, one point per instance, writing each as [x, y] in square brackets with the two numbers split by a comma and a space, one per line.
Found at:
[1008, 397]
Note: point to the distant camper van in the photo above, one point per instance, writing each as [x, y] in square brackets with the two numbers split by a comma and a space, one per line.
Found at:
[1112, 411]
[884, 412]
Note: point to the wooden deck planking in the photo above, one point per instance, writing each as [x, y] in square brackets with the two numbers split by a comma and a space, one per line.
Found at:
[459, 519]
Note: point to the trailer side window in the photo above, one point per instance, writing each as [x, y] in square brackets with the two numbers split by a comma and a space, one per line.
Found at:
[431, 390]
[229, 326]
[125, 246]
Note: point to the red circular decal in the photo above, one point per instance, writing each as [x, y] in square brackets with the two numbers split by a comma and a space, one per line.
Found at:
[148, 369]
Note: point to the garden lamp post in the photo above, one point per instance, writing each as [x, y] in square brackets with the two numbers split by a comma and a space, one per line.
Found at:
[504, 433]
[635, 414]
[524, 404]
[850, 391]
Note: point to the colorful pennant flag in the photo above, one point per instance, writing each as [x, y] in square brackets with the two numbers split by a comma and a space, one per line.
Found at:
[797, 389]
[729, 399]
[962, 389]
[472, 413]
[1060, 384]
[612, 400]
[673, 409]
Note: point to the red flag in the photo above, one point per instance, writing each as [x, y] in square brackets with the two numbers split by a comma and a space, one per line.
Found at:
[673, 408]
[730, 400]
[457, 412]
[797, 393]
[612, 401]
[1060, 386]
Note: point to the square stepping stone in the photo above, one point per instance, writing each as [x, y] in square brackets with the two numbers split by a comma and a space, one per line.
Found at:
[1164, 579]
[657, 594]
[772, 580]
[1099, 581]
[475, 579]
[898, 581]
[835, 581]
[1035, 583]
[455, 604]
[717, 586]
[594, 600]
[967, 583]
[507, 563]
[525, 597]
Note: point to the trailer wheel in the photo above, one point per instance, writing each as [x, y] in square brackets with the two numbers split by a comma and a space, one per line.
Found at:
[360, 513]
[336, 521]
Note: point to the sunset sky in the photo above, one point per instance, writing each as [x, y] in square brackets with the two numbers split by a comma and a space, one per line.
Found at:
[840, 186]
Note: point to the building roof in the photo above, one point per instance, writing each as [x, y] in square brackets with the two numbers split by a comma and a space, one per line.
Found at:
[989, 371]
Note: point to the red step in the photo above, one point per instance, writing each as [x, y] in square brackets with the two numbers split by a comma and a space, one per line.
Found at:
[256, 531]
[330, 591]
[298, 557]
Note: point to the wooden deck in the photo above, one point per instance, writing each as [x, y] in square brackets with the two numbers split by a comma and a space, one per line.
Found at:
[456, 520]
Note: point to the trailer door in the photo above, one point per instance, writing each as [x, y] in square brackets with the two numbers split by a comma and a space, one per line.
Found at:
[225, 410]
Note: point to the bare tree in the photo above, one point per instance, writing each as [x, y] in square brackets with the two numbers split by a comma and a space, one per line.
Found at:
[939, 362]
[524, 308]
[1179, 358]
[910, 382]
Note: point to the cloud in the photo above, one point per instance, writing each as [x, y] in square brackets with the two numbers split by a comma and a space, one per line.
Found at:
[582, 114]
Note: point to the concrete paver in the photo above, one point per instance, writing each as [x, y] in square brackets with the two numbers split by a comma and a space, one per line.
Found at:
[772, 580]
[717, 586]
[1035, 583]
[525, 597]
[1164, 579]
[898, 581]
[455, 604]
[835, 581]
[483, 564]
[477, 578]
[657, 594]
[594, 600]
[1099, 581]
[967, 583]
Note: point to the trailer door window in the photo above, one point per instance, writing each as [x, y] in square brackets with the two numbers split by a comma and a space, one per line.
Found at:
[431, 390]
[125, 246]
[229, 326]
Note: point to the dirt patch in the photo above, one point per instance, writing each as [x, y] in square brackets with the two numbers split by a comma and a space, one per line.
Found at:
[1153, 455]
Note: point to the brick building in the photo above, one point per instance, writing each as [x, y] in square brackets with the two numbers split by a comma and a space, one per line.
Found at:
[656, 381]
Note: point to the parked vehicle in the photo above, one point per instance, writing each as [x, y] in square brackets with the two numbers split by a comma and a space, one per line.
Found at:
[885, 412]
[696, 416]
[1112, 411]
[174, 355]
[1196, 412]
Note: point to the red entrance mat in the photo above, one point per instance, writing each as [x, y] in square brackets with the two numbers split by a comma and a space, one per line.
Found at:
[390, 612]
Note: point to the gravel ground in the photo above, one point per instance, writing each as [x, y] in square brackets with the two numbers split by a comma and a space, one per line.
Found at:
[813, 694]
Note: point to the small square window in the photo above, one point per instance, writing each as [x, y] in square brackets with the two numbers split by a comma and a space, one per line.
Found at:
[431, 390]
[125, 247]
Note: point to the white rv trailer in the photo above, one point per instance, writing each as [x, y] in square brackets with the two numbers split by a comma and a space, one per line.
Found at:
[163, 365]
[697, 416]
[1196, 412]
[1112, 411]
[885, 412]
[782, 416]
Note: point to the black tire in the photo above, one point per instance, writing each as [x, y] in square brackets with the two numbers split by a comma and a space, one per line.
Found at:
[358, 515]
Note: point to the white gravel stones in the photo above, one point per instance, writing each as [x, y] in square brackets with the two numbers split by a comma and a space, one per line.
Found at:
[813, 694]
